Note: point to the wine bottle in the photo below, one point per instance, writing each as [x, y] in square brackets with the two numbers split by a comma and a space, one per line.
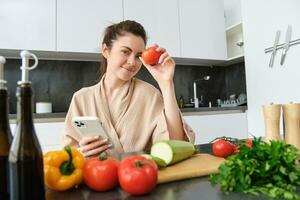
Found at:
[26, 176]
[5, 134]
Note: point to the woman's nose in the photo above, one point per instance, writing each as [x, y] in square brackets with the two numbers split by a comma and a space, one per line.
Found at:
[131, 60]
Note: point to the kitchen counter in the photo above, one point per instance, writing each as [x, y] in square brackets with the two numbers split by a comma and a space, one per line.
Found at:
[212, 110]
[42, 118]
[60, 117]
[195, 188]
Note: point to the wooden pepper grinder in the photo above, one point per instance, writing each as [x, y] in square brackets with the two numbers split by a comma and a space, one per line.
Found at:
[291, 114]
[272, 121]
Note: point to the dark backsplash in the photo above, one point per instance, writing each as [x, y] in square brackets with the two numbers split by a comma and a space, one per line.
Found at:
[56, 81]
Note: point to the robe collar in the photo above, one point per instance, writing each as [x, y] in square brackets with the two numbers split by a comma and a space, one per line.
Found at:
[112, 117]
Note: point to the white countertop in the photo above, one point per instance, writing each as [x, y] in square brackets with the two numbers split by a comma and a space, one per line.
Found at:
[60, 117]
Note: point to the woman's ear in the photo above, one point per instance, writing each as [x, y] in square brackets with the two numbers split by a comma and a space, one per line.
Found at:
[105, 50]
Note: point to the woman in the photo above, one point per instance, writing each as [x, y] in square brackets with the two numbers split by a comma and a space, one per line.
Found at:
[134, 113]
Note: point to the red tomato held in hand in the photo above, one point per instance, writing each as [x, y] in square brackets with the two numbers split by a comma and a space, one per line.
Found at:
[137, 175]
[222, 148]
[151, 56]
[101, 174]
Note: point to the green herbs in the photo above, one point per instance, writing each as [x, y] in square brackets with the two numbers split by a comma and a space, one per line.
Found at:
[271, 169]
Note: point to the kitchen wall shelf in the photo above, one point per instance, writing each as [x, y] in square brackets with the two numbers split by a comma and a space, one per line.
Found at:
[42, 118]
[231, 61]
[235, 41]
[236, 28]
[53, 55]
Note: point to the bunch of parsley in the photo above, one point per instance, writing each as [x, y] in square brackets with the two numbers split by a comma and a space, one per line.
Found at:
[271, 169]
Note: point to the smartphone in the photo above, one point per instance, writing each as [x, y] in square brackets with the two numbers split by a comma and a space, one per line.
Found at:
[89, 125]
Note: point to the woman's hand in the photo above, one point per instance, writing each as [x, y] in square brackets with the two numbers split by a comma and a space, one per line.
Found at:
[93, 145]
[163, 71]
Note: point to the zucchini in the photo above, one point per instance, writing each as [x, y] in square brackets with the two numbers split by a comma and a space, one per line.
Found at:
[160, 163]
[172, 151]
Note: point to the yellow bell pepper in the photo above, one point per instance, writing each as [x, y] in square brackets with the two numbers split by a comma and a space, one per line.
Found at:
[63, 169]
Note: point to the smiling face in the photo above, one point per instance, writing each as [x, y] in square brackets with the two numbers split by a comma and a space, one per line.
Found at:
[123, 57]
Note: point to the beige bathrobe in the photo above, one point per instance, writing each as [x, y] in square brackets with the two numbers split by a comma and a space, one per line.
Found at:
[136, 119]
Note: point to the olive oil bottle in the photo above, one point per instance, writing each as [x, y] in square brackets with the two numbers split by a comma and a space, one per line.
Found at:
[26, 177]
[5, 134]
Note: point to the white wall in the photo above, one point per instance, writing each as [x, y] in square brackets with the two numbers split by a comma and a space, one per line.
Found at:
[280, 84]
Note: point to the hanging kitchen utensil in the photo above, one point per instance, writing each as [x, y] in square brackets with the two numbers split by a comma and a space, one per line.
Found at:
[288, 36]
[274, 48]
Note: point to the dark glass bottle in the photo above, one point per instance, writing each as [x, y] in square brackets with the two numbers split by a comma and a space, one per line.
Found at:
[26, 176]
[5, 141]
[25, 158]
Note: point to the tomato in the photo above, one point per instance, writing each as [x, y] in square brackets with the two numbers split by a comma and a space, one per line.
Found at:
[101, 174]
[222, 148]
[151, 56]
[248, 143]
[236, 149]
[137, 175]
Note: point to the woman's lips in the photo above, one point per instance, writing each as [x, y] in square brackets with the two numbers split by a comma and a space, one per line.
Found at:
[130, 70]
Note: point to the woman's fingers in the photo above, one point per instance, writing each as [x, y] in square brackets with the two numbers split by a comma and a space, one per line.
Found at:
[88, 139]
[160, 49]
[146, 65]
[167, 59]
[93, 145]
[163, 57]
[154, 45]
[142, 60]
[96, 151]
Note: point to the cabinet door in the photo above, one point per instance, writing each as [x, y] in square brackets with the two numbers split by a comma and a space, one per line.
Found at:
[49, 135]
[208, 127]
[80, 24]
[27, 24]
[160, 19]
[233, 12]
[202, 27]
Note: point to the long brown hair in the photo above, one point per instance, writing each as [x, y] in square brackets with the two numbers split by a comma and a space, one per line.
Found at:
[112, 33]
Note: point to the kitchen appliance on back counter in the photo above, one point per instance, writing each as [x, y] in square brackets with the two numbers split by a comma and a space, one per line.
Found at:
[201, 103]
[198, 102]
[233, 101]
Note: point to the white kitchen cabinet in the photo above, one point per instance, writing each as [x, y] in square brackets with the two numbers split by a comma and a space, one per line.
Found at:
[28, 24]
[80, 24]
[234, 30]
[49, 135]
[235, 41]
[202, 28]
[233, 12]
[73, 29]
[160, 19]
[208, 127]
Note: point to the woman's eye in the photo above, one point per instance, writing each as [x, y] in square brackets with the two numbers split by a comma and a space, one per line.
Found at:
[138, 56]
[125, 52]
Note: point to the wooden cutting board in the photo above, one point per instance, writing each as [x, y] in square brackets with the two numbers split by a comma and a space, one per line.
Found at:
[198, 165]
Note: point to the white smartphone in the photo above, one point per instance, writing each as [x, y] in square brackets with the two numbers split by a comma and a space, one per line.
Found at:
[87, 125]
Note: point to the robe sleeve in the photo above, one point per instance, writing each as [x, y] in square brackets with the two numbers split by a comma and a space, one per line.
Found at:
[70, 135]
[161, 130]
